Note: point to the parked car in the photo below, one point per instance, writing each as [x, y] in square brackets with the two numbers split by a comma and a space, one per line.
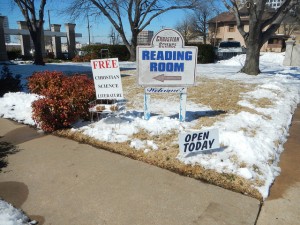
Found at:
[228, 49]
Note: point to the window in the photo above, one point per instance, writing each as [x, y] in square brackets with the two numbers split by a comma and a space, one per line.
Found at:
[231, 28]
[233, 44]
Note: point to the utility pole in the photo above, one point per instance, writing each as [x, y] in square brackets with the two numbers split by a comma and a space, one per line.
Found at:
[50, 30]
[88, 27]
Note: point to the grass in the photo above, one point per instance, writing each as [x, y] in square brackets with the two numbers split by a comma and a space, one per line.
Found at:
[226, 94]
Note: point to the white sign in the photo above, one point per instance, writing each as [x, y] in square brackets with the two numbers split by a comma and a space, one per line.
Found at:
[167, 62]
[168, 90]
[107, 78]
[199, 141]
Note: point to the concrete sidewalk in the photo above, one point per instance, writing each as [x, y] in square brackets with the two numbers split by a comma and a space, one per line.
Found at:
[283, 204]
[59, 181]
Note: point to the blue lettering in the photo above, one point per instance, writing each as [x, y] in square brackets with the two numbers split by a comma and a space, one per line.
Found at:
[161, 67]
[153, 67]
[153, 55]
[168, 55]
[180, 55]
[178, 67]
[170, 67]
[160, 55]
[145, 55]
[188, 55]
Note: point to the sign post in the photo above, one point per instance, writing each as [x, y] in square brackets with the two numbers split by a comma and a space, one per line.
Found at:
[167, 66]
[182, 107]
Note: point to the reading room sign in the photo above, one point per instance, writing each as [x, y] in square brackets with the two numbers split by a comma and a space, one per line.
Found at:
[167, 62]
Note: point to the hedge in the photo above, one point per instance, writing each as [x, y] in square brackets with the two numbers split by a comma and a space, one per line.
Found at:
[94, 52]
[206, 53]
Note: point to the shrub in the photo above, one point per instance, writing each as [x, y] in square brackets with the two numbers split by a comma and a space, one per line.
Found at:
[65, 99]
[9, 82]
[206, 53]
[94, 52]
[81, 92]
[44, 83]
[52, 114]
[14, 53]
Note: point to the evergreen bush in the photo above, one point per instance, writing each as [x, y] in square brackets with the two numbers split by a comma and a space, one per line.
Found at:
[94, 52]
[206, 53]
[9, 82]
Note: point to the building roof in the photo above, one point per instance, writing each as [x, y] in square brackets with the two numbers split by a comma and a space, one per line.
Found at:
[228, 17]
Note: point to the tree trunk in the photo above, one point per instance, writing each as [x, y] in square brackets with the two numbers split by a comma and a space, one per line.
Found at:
[38, 55]
[36, 37]
[251, 66]
[204, 38]
[132, 52]
[133, 45]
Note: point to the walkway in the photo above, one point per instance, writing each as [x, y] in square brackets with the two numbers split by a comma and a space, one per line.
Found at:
[283, 204]
[59, 181]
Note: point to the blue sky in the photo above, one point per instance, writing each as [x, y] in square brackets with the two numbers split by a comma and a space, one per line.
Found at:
[100, 28]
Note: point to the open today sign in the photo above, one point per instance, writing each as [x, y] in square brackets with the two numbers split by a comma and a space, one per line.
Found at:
[199, 141]
[167, 62]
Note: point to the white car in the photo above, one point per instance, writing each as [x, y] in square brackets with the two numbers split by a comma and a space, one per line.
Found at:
[228, 49]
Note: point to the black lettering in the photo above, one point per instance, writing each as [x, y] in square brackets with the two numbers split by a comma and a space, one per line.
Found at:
[191, 147]
[204, 146]
[198, 145]
[206, 135]
[187, 138]
[211, 143]
[185, 146]
[200, 136]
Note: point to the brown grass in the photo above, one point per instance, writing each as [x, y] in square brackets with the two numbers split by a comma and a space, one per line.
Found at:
[221, 95]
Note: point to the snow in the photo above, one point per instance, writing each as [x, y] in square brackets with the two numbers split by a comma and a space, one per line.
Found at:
[251, 142]
[12, 216]
[17, 106]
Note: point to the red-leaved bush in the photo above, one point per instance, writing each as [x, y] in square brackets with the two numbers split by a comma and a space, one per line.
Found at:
[41, 82]
[65, 99]
[51, 114]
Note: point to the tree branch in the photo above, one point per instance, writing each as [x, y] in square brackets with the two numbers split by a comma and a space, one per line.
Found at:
[280, 11]
[161, 12]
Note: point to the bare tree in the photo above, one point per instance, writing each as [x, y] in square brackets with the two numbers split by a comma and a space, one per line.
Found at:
[261, 27]
[185, 27]
[291, 23]
[114, 36]
[204, 12]
[196, 24]
[35, 25]
[138, 13]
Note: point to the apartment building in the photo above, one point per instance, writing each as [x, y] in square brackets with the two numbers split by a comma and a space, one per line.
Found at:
[223, 28]
[275, 4]
[145, 37]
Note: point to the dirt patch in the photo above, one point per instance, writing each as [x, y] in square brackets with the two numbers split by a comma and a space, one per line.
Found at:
[221, 95]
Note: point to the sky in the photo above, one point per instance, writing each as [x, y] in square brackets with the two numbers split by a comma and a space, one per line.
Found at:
[100, 28]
